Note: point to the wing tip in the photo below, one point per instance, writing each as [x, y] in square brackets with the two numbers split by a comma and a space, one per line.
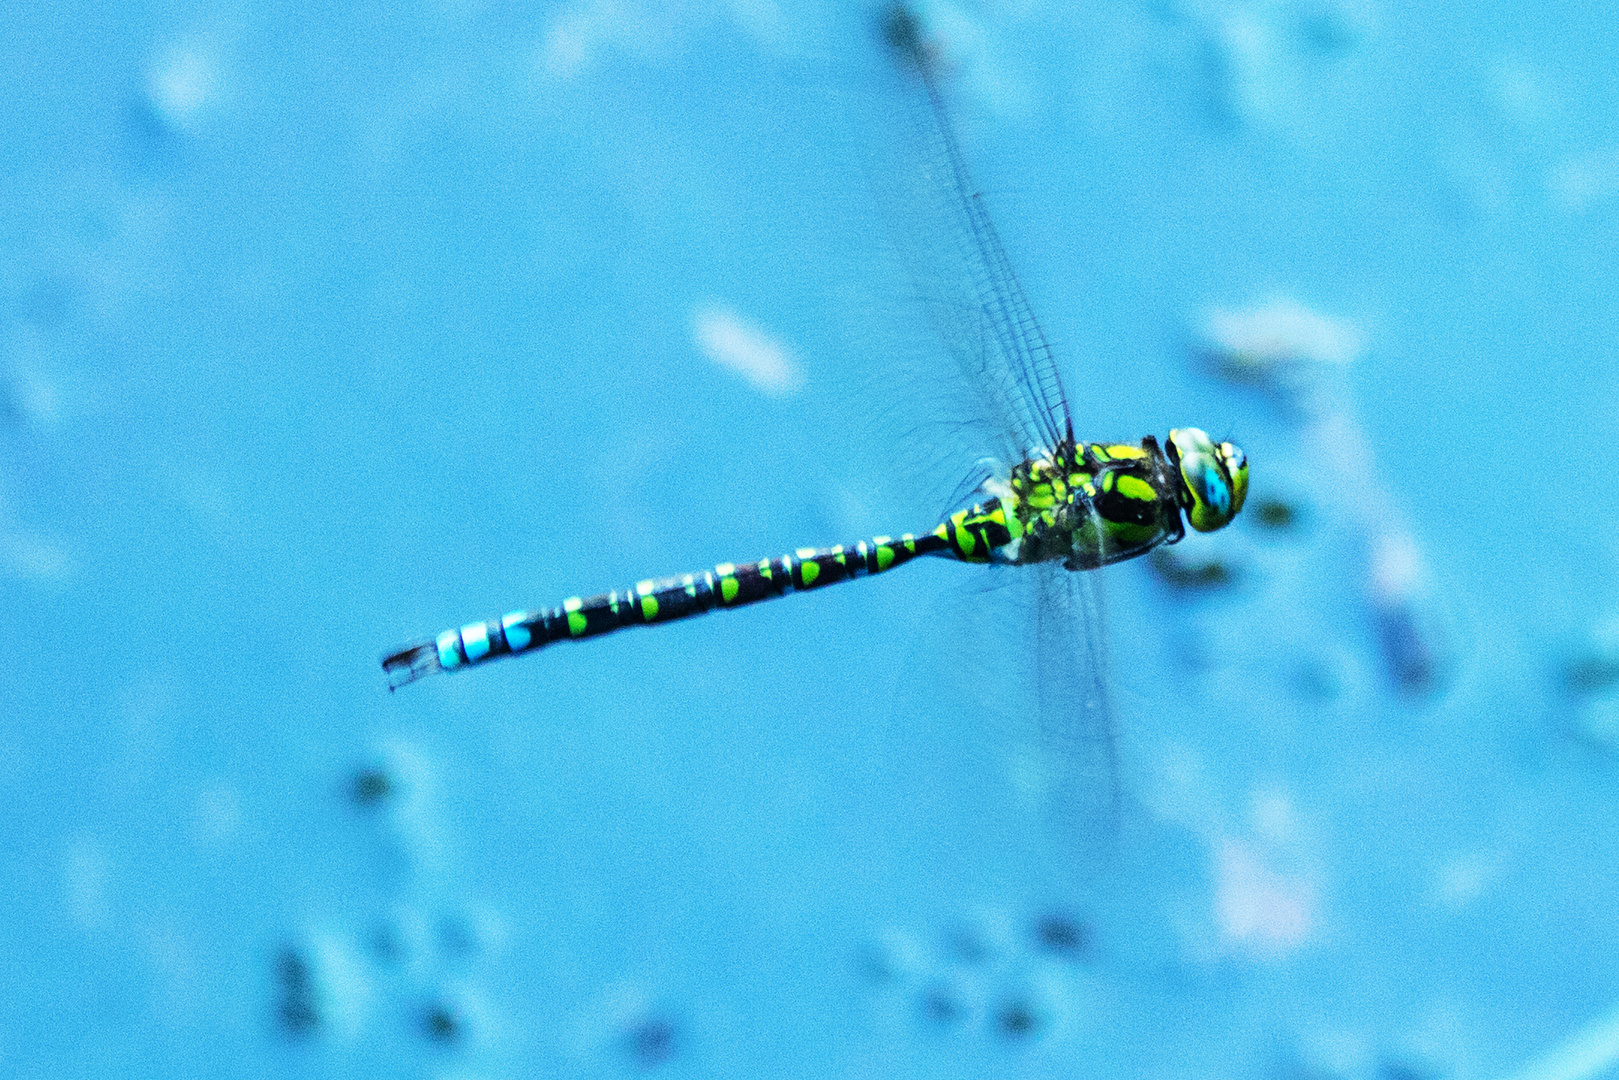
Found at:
[903, 30]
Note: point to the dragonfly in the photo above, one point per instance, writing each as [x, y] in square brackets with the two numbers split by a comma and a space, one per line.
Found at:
[1062, 507]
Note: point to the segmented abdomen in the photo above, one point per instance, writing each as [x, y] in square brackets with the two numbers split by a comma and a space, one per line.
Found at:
[660, 601]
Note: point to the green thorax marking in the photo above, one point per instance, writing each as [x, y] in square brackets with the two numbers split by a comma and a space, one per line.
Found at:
[1088, 504]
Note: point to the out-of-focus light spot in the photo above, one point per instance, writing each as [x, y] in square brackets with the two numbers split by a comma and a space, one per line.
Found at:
[1579, 182]
[1297, 354]
[1332, 1052]
[182, 83]
[84, 879]
[728, 340]
[1031, 775]
[1396, 567]
[1257, 908]
[1271, 817]
[965, 41]
[1463, 878]
[29, 557]
[219, 813]
[29, 399]
[1590, 1052]
[567, 48]
[762, 19]
[1520, 92]
[1270, 56]
[894, 957]
[581, 33]
[1282, 331]
[1261, 81]
[1596, 721]
[1413, 642]
[178, 972]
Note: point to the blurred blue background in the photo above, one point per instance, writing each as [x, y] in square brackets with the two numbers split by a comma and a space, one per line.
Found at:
[322, 330]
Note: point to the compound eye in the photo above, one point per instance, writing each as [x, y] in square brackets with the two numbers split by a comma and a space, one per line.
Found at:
[1236, 467]
[1215, 478]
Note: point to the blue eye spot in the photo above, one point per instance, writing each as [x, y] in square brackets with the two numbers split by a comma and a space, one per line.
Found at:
[1215, 490]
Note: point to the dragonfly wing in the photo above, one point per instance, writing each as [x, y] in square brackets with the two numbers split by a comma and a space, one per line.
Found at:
[977, 305]
[1077, 728]
[956, 258]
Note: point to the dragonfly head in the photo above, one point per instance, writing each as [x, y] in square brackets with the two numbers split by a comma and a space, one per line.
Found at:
[1214, 478]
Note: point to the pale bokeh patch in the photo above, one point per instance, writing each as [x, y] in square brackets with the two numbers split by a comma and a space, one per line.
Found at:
[732, 342]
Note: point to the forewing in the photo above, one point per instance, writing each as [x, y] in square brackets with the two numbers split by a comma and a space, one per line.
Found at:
[960, 269]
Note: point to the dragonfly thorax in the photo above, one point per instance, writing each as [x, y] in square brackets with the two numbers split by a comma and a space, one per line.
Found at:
[1086, 504]
[1091, 504]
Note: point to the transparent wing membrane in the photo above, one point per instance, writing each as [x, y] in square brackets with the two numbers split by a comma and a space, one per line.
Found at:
[984, 316]
[1073, 710]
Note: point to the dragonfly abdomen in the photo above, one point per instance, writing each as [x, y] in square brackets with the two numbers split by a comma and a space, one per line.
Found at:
[665, 600]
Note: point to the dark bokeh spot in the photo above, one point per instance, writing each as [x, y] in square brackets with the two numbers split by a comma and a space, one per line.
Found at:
[151, 145]
[11, 410]
[1018, 1019]
[1318, 677]
[441, 1024]
[1277, 515]
[1237, 367]
[939, 1006]
[1299, 1071]
[1592, 672]
[1061, 935]
[1412, 663]
[1220, 108]
[1328, 33]
[1399, 1070]
[388, 945]
[652, 1042]
[370, 787]
[47, 301]
[1186, 574]
[968, 946]
[144, 124]
[876, 965]
[296, 1013]
[457, 936]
